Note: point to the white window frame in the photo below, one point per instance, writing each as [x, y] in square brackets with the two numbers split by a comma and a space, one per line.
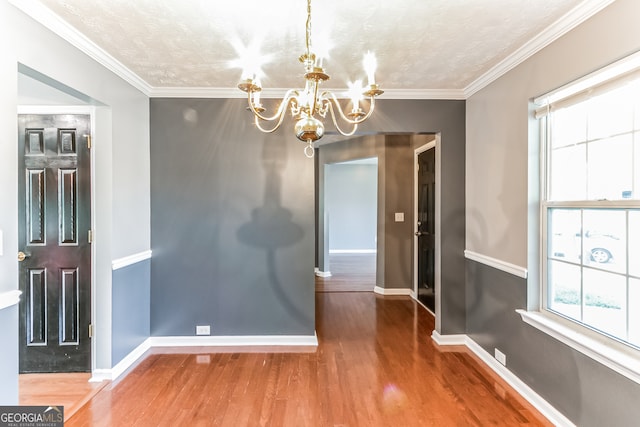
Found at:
[612, 353]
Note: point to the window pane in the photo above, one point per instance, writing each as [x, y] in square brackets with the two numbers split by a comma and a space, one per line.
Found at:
[605, 302]
[610, 174]
[569, 126]
[564, 234]
[634, 312]
[604, 242]
[568, 173]
[611, 114]
[563, 294]
[634, 245]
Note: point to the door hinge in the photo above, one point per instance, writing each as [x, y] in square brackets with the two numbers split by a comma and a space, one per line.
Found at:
[90, 236]
[90, 330]
[88, 141]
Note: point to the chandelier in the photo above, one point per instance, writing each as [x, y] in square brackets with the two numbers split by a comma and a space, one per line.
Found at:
[310, 102]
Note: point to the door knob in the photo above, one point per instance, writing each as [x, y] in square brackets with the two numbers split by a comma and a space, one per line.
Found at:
[22, 256]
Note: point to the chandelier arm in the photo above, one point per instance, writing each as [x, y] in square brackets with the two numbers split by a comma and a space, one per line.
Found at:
[291, 93]
[333, 98]
[335, 122]
[256, 120]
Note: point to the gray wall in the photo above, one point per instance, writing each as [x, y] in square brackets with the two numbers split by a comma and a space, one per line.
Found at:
[232, 223]
[501, 221]
[352, 202]
[131, 309]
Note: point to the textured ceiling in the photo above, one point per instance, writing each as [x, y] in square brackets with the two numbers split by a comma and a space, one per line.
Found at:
[420, 44]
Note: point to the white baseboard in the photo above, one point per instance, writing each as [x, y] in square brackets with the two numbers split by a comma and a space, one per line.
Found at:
[130, 359]
[392, 291]
[99, 375]
[545, 408]
[460, 339]
[242, 340]
[322, 273]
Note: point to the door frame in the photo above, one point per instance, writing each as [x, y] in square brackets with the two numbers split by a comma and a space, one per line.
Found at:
[432, 145]
[91, 111]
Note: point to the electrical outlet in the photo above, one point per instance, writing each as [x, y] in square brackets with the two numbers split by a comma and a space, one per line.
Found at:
[203, 330]
[501, 357]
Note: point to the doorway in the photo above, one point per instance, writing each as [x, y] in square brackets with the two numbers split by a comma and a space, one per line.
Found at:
[54, 237]
[425, 227]
[351, 215]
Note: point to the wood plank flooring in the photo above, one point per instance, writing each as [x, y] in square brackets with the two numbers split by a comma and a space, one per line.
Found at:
[71, 390]
[349, 273]
[375, 365]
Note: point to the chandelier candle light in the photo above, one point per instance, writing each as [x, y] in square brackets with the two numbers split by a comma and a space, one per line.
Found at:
[309, 102]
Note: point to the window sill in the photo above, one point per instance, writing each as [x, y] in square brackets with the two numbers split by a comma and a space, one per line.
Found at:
[617, 356]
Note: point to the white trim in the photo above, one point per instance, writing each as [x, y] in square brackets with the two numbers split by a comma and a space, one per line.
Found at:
[9, 298]
[322, 273]
[58, 109]
[507, 267]
[273, 93]
[45, 17]
[551, 413]
[239, 340]
[119, 263]
[392, 291]
[616, 356]
[200, 341]
[568, 22]
[353, 251]
[57, 25]
[457, 339]
[99, 375]
[130, 359]
[545, 408]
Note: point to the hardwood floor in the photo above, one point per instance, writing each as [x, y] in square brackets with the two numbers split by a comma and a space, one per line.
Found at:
[69, 390]
[349, 273]
[375, 365]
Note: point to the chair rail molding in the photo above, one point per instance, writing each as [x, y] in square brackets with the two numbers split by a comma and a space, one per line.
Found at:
[507, 267]
[9, 298]
[123, 262]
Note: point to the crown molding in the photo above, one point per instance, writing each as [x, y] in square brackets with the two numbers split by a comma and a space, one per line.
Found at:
[53, 22]
[566, 23]
[277, 93]
[45, 17]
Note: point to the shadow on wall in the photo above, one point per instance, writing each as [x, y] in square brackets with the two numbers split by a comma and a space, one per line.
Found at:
[271, 226]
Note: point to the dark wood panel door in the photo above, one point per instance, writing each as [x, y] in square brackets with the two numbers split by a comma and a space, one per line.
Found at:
[426, 228]
[54, 247]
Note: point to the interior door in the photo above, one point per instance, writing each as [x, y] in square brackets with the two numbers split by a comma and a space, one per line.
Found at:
[426, 228]
[54, 247]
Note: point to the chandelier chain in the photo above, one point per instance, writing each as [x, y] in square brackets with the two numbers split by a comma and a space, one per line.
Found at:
[308, 34]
